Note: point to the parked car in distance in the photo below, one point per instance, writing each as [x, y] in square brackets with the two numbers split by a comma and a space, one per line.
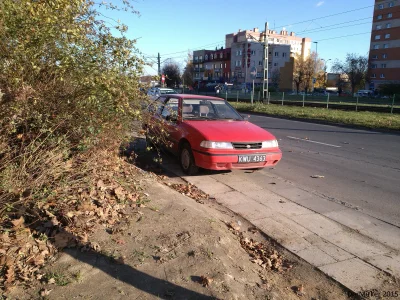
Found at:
[207, 132]
[156, 92]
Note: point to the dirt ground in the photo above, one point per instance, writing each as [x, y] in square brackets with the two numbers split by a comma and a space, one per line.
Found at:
[176, 247]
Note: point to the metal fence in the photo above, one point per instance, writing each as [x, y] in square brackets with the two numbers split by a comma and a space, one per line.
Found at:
[329, 101]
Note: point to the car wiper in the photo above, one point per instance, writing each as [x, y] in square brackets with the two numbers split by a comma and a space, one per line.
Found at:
[200, 118]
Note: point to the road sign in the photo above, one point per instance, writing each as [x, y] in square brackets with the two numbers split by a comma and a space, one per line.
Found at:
[253, 73]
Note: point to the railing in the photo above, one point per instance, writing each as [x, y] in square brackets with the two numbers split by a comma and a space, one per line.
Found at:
[384, 104]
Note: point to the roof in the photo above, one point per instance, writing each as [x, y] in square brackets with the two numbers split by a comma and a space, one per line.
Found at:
[192, 96]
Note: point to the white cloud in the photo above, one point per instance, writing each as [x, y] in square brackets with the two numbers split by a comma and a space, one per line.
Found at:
[320, 3]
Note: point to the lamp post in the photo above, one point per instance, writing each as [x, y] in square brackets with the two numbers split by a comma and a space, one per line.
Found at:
[315, 65]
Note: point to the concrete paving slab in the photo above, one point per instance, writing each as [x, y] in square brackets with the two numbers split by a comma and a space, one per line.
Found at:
[208, 185]
[315, 256]
[357, 244]
[352, 218]
[387, 234]
[263, 196]
[287, 207]
[244, 186]
[388, 262]
[232, 198]
[307, 199]
[337, 253]
[282, 234]
[354, 274]
[318, 224]
[252, 210]
[292, 225]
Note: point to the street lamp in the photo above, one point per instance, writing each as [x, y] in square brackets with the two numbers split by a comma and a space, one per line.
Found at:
[315, 65]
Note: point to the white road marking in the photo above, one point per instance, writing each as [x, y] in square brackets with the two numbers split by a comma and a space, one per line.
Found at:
[330, 145]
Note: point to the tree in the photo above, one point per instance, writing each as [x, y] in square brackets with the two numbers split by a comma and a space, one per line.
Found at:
[389, 89]
[172, 74]
[304, 70]
[355, 68]
[188, 72]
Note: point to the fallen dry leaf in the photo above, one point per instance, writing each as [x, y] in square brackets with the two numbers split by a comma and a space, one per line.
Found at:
[234, 226]
[205, 281]
[44, 292]
[317, 176]
[18, 222]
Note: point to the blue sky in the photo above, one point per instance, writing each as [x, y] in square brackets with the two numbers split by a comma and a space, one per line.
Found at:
[174, 27]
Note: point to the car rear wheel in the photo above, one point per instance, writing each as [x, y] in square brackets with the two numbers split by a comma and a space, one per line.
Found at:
[186, 160]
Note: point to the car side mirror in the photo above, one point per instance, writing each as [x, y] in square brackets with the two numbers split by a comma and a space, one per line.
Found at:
[172, 118]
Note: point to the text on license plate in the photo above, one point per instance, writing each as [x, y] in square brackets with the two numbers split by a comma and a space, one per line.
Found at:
[251, 158]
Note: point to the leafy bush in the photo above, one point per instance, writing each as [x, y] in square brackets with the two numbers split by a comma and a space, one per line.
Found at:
[64, 81]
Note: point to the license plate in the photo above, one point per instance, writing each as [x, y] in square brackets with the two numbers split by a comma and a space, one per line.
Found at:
[243, 159]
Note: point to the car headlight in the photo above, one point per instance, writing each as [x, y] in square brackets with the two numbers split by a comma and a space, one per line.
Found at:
[270, 144]
[216, 145]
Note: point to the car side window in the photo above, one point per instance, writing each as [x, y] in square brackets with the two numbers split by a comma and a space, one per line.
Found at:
[170, 108]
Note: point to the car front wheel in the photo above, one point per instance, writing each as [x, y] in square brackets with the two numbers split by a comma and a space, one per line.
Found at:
[186, 160]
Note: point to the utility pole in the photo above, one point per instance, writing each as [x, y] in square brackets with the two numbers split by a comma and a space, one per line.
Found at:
[159, 64]
[265, 81]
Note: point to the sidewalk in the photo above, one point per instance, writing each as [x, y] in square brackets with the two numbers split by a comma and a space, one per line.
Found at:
[177, 248]
[357, 250]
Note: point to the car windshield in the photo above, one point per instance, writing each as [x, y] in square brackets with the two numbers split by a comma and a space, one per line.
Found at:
[163, 92]
[201, 109]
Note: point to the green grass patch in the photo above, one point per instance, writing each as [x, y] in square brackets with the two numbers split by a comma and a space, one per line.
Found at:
[373, 120]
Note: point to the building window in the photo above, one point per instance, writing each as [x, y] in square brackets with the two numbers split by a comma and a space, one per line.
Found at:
[201, 57]
[269, 63]
[275, 64]
[221, 55]
[276, 53]
[391, 4]
[390, 15]
[225, 65]
[388, 25]
[378, 37]
[383, 66]
[387, 35]
[253, 52]
[384, 55]
[380, 6]
[373, 76]
[373, 66]
[379, 17]
[385, 46]
[196, 58]
[260, 63]
[382, 76]
[221, 66]
[376, 46]
[378, 27]
[375, 56]
[284, 54]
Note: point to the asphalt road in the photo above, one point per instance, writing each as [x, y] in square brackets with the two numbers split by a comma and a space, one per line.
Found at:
[361, 168]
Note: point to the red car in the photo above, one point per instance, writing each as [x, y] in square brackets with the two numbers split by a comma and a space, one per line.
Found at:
[207, 132]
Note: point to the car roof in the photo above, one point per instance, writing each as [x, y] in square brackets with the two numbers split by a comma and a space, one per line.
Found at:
[192, 96]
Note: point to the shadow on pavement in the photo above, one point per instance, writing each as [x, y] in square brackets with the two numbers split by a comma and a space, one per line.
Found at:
[141, 281]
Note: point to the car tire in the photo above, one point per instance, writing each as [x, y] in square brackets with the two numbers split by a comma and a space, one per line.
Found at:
[186, 160]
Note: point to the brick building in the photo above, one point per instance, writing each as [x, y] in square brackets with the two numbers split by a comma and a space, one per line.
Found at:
[384, 55]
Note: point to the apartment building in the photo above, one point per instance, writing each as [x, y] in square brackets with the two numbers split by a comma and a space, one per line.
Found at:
[248, 54]
[212, 65]
[244, 53]
[384, 55]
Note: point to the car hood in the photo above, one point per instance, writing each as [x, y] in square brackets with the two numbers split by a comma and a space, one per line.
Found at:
[230, 131]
